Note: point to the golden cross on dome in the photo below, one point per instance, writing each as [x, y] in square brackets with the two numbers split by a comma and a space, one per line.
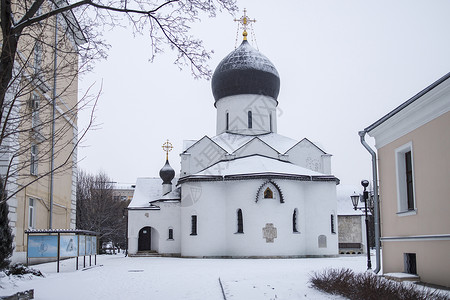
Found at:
[245, 22]
[167, 147]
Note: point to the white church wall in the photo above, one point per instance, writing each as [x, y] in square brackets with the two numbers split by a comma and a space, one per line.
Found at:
[326, 163]
[155, 240]
[206, 201]
[237, 107]
[257, 216]
[256, 146]
[321, 204]
[160, 221]
[306, 154]
[216, 204]
[200, 156]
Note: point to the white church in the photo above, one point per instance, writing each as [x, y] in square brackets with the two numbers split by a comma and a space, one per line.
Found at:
[246, 192]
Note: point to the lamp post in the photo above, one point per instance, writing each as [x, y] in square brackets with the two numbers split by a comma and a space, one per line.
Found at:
[365, 198]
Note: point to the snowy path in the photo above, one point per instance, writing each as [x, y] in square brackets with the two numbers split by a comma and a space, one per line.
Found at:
[176, 278]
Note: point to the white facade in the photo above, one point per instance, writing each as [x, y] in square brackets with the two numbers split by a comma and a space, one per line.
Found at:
[246, 192]
[160, 221]
[217, 206]
[237, 107]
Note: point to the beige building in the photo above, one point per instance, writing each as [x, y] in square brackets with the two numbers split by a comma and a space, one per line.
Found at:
[38, 159]
[123, 191]
[413, 145]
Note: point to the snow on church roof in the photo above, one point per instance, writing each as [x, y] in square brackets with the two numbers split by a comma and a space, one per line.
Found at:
[255, 165]
[147, 189]
[231, 142]
[173, 195]
[279, 142]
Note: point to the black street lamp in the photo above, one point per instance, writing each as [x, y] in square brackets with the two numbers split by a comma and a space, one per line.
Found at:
[365, 198]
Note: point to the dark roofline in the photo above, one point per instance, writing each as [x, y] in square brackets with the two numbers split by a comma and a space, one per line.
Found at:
[408, 102]
[205, 178]
[46, 231]
[166, 200]
[144, 208]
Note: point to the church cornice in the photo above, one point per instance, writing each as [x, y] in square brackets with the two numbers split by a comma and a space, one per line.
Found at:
[145, 208]
[177, 200]
[267, 176]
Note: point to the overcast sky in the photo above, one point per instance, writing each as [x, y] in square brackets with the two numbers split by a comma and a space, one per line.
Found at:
[343, 65]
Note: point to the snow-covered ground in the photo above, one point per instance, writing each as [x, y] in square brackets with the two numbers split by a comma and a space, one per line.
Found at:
[119, 277]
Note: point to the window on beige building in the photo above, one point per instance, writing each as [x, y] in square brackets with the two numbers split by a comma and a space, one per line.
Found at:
[404, 160]
[34, 160]
[34, 105]
[37, 52]
[31, 213]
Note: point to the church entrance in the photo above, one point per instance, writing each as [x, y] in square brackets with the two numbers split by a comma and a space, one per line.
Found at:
[145, 239]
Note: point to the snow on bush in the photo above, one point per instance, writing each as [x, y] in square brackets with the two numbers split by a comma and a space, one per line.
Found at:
[345, 282]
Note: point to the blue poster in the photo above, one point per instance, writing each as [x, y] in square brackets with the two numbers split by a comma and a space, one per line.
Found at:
[68, 245]
[42, 246]
[94, 245]
[82, 246]
[88, 245]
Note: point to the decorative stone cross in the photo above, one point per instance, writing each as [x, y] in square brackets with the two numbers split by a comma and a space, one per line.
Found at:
[269, 232]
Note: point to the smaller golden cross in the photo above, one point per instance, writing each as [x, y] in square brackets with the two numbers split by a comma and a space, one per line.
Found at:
[167, 147]
[245, 21]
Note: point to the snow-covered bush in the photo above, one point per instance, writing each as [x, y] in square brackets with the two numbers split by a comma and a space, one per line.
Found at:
[19, 269]
[368, 286]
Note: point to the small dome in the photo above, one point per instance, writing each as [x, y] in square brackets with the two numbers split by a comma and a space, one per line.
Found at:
[167, 173]
[245, 71]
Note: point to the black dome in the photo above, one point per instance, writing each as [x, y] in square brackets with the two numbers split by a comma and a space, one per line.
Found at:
[245, 71]
[167, 173]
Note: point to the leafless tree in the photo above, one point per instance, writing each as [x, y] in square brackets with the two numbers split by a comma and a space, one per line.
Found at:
[46, 44]
[97, 209]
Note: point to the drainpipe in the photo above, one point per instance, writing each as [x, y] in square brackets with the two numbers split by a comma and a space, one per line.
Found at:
[52, 164]
[375, 200]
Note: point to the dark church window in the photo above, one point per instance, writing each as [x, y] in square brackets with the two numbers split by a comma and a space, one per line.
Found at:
[270, 122]
[227, 121]
[250, 123]
[268, 194]
[294, 221]
[194, 225]
[332, 224]
[170, 234]
[240, 222]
